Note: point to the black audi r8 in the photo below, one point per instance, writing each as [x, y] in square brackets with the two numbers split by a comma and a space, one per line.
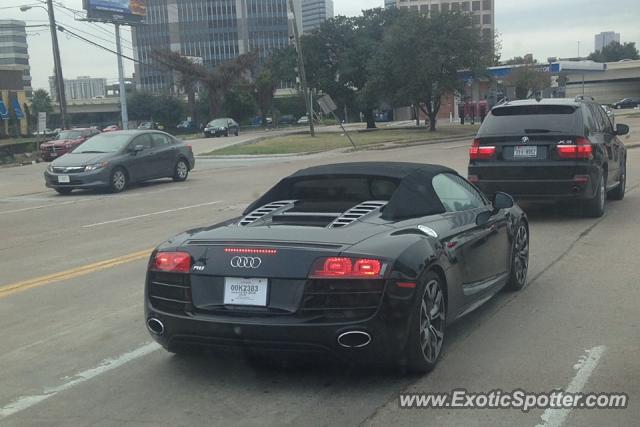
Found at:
[367, 261]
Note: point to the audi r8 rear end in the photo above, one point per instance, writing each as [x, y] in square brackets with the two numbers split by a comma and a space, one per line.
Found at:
[344, 260]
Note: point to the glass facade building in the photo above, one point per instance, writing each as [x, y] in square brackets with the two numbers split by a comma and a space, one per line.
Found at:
[314, 13]
[14, 51]
[209, 31]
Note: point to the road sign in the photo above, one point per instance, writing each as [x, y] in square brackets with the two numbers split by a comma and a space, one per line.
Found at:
[327, 104]
[42, 122]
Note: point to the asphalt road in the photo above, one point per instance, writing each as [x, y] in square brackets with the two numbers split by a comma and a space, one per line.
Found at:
[74, 350]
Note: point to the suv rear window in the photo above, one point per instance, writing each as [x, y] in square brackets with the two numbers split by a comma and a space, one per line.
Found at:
[529, 119]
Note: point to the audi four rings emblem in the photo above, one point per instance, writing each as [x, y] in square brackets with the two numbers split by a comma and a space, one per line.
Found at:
[245, 262]
[525, 140]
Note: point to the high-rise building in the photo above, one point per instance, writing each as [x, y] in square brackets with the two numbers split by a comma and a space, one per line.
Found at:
[83, 87]
[482, 11]
[604, 39]
[314, 13]
[14, 50]
[209, 31]
[389, 3]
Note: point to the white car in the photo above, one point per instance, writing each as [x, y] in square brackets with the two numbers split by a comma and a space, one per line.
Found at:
[304, 120]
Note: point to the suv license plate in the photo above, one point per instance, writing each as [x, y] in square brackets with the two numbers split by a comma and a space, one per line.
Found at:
[527, 151]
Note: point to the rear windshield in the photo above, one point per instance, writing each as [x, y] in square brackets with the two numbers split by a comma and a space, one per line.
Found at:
[353, 189]
[529, 119]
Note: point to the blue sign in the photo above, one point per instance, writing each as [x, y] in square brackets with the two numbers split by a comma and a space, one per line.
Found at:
[16, 107]
[4, 114]
[122, 11]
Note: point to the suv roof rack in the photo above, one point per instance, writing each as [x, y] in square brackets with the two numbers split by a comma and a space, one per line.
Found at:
[584, 97]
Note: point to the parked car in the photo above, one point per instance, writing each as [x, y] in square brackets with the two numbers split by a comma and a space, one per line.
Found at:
[111, 128]
[627, 103]
[287, 119]
[150, 126]
[553, 149]
[65, 142]
[220, 127]
[304, 120]
[370, 266]
[186, 126]
[114, 160]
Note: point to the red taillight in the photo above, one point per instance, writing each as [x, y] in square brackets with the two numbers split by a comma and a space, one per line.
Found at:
[347, 268]
[254, 251]
[481, 152]
[175, 262]
[406, 285]
[582, 149]
[190, 147]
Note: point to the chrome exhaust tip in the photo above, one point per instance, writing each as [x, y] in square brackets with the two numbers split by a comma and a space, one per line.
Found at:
[354, 339]
[155, 326]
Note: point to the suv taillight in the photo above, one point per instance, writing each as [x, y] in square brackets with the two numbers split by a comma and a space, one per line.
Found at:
[581, 150]
[481, 152]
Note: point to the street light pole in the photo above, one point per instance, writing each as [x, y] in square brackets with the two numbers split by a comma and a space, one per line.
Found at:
[123, 92]
[62, 98]
[303, 75]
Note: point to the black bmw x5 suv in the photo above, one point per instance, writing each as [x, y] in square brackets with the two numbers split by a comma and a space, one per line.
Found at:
[557, 149]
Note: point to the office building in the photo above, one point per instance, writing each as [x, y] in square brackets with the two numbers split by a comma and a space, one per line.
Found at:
[314, 13]
[604, 39]
[83, 87]
[209, 31]
[14, 50]
[482, 11]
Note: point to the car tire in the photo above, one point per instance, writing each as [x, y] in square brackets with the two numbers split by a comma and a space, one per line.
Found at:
[519, 258]
[427, 327]
[64, 191]
[618, 107]
[596, 207]
[618, 192]
[181, 171]
[118, 180]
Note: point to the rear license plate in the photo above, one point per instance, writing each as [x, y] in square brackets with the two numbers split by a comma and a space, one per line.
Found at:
[527, 151]
[238, 291]
[64, 179]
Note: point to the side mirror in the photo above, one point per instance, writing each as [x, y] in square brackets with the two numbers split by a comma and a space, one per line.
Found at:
[503, 201]
[622, 129]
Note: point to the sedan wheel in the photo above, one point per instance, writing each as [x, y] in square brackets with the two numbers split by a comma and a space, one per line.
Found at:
[428, 327]
[181, 171]
[519, 259]
[118, 180]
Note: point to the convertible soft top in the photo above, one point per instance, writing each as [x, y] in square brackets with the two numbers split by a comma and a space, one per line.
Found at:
[413, 197]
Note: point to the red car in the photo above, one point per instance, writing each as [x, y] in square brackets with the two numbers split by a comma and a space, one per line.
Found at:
[65, 142]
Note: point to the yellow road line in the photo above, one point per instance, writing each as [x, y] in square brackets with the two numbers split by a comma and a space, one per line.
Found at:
[72, 273]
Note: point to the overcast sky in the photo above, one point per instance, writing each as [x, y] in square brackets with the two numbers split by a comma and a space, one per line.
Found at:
[542, 27]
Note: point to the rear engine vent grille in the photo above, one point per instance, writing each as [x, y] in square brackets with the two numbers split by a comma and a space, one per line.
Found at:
[266, 210]
[356, 213]
[170, 292]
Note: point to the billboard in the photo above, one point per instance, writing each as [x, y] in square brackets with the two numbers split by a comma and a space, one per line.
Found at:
[118, 11]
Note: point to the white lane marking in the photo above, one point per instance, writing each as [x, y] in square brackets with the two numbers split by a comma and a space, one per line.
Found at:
[555, 417]
[25, 402]
[113, 221]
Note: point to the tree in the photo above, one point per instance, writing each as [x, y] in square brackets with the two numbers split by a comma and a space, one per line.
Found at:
[41, 102]
[615, 52]
[528, 80]
[217, 81]
[164, 109]
[280, 67]
[420, 58]
[337, 56]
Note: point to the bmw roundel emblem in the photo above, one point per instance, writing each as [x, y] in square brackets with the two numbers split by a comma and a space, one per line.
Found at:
[525, 139]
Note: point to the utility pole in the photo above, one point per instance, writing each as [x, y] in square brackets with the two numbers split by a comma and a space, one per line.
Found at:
[62, 98]
[303, 75]
[123, 91]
